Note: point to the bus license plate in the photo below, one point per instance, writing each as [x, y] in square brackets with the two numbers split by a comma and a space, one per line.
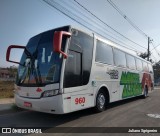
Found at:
[27, 104]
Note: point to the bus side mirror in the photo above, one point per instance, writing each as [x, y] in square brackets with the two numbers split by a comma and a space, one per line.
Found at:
[9, 52]
[57, 41]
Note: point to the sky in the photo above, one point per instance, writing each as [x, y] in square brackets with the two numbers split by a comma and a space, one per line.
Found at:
[22, 19]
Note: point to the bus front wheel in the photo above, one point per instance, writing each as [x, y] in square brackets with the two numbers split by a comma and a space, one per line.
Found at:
[101, 101]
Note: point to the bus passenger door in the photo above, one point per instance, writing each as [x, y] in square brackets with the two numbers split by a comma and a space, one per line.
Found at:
[73, 82]
[73, 70]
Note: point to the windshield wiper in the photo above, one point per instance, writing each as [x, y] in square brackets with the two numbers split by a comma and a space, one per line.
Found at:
[30, 69]
[35, 69]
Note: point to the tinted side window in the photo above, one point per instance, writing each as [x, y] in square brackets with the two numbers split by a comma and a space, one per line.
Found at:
[131, 62]
[145, 66]
[73, 69]
[104, 53]
[139, 64]
[119, 58]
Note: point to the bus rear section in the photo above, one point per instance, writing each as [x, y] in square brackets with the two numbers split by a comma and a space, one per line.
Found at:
[119, 73]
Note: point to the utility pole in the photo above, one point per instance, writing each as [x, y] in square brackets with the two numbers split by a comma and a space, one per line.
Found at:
[148, 49]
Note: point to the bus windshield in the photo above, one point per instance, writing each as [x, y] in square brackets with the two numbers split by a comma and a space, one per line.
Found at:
[40, 66]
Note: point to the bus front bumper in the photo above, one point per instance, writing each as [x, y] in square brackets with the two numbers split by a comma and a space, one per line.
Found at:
[48, 104]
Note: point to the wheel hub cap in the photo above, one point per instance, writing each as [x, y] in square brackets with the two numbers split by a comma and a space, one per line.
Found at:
[101, 101]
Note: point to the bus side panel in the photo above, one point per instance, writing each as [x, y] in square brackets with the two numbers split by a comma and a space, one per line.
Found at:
[102, 78]
[77, 101]
[130, 82]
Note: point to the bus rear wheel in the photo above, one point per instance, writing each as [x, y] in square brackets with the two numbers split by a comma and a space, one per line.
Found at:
[101, 101]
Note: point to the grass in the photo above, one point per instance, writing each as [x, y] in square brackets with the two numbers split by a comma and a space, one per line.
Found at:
[6, 89]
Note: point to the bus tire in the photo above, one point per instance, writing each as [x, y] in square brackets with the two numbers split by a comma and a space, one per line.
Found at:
[145, 92]
[101, 101]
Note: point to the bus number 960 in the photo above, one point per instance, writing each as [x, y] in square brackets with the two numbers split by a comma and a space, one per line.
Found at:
[80, 100]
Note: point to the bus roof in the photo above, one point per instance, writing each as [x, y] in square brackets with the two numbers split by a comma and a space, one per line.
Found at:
[99, 37]
[109, 42]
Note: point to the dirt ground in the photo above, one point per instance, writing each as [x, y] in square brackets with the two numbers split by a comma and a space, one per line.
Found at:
[6, 89]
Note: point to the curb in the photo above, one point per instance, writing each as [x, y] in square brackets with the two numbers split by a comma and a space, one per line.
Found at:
[7, 101]
[6, 104]
[4, 107]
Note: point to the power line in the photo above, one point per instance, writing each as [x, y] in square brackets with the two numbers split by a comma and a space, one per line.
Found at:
[64, 11]
[155, 49]
[131, 23]
[92, 20]
[125, 17]
[154, 57]
[108, 25]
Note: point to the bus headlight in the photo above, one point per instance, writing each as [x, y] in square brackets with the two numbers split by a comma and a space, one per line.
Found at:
[49, 93]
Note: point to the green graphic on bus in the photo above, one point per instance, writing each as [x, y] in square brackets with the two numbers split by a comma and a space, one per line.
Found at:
[132, 85]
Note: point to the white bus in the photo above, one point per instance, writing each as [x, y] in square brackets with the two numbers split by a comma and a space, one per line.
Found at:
[65, 69]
